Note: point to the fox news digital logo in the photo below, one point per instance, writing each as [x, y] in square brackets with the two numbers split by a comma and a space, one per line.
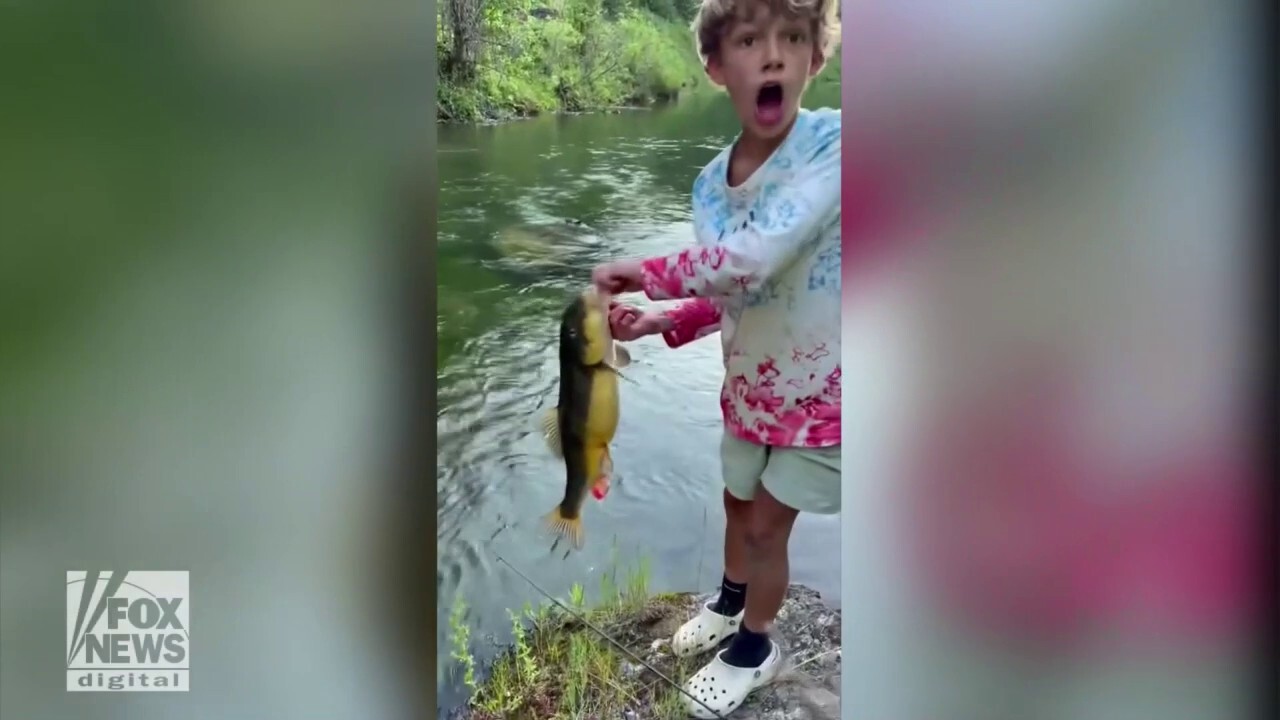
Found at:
[127, 631]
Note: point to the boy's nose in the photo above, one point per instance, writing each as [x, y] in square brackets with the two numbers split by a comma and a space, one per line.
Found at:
[772, 54]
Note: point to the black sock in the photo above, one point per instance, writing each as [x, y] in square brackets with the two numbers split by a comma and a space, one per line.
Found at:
[748, 649]
[733, 597]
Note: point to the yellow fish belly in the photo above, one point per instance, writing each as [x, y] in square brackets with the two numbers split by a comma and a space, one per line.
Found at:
[602, 415]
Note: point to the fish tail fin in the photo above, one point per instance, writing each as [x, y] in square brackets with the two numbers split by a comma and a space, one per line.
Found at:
[566, 527]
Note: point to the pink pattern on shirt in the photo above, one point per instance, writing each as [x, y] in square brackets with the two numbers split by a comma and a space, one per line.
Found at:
[813, 421]
[755, 268]
[691, 320]
[670, 277]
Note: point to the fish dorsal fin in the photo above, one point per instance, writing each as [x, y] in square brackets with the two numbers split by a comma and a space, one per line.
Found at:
[617, 357]
[551, 431]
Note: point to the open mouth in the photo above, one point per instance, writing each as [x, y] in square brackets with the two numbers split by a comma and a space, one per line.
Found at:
[769, 104]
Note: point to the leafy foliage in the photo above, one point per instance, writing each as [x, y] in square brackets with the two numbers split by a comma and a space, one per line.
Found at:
[557, 668]
[541, 56]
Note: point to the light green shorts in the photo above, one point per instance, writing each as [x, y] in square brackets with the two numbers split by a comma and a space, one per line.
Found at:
[807, 479]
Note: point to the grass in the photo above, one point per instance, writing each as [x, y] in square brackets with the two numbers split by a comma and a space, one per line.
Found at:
[557, 668]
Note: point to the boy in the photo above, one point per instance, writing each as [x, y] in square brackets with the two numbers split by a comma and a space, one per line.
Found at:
[765, 272]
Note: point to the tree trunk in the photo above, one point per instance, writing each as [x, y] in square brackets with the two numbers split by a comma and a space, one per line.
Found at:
[465, 19]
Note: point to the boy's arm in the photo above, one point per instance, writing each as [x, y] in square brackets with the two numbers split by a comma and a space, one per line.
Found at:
[689, 321]
[788, 218]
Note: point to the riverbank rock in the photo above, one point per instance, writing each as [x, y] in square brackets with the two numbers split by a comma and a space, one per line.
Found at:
[808, 688]
[808, 631]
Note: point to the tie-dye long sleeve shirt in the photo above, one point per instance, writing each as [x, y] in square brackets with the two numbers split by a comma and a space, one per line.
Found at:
[765, 273]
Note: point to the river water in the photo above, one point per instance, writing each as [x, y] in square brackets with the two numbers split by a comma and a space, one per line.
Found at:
[525, 210]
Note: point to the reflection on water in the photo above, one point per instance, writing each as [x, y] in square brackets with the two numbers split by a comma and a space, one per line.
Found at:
[526, 209]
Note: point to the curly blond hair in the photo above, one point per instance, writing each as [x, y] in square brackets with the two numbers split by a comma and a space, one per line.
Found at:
[716, 16]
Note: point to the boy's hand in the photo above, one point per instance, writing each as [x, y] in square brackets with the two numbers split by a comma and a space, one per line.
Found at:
[627, 323]
[623, 276]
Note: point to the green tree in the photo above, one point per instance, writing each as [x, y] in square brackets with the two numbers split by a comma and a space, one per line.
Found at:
[519, 57]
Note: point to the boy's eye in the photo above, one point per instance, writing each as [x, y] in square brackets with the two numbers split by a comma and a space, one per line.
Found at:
[796, 37]
[748, 40]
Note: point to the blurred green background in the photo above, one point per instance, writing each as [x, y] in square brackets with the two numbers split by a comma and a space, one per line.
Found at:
[208, 211]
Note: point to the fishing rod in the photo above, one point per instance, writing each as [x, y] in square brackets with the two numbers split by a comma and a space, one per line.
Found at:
[603, 634]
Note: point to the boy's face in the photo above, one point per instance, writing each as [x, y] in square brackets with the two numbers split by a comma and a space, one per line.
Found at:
[765, 62]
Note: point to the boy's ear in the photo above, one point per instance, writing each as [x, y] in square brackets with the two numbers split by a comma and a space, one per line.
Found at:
[715, 71]
[816, 63]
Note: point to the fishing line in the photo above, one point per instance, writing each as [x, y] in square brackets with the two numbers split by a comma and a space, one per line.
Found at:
[606, 636]
[603, 634]
[792, 669]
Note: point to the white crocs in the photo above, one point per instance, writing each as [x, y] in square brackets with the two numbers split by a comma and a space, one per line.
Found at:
[706, 630]
[723, 688]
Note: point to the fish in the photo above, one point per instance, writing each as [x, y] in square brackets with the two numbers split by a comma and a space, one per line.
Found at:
[539, 246]
[580, 427]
